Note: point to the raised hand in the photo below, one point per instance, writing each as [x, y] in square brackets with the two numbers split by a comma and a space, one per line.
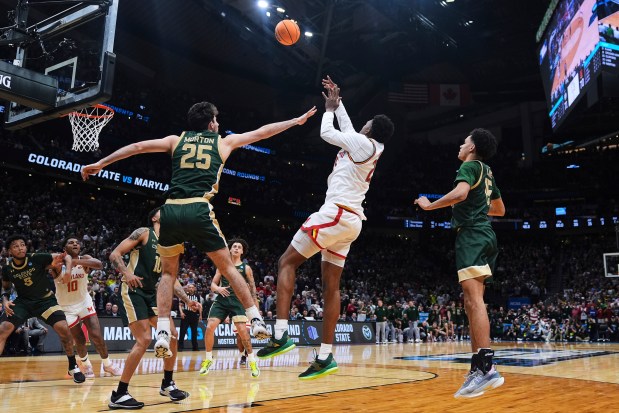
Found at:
[91, 169]
[332, 99]
[303, 118]
[328, 83]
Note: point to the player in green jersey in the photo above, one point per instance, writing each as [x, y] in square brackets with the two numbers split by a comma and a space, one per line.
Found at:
[198, 158]
[227, 304]
[139, 308]
[474, 197]
[28, 273]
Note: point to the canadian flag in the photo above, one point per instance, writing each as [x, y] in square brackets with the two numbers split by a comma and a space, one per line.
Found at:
[450, 94]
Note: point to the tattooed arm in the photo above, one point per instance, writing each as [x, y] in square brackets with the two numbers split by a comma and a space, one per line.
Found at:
[179, 291]
[137, 238]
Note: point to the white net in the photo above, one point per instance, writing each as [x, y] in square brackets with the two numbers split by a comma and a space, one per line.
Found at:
[86, 125]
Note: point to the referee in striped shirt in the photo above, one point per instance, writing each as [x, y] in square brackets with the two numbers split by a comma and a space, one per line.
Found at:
[189, 319]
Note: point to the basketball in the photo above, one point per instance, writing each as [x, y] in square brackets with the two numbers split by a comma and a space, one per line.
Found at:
[287, 32]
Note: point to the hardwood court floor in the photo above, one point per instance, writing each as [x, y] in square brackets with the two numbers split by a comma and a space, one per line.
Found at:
[372, 378]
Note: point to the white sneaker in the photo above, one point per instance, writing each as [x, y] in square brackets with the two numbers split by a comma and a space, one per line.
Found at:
[111, 371]
[87, 370]
[162, 346]
[259, 329]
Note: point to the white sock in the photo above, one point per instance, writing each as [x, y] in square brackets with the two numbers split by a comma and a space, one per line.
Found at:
[209, 355]
[281, 326]
[325, 350]
[251, 357]
[252, 312]
[106, 361]
[163, 324]
[85, 361]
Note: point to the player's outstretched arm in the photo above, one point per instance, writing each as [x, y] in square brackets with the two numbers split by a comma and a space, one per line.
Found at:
[252, 284]
[456, 195]
[235, 141]
[340, 112]
[88, 262]
[166, 144]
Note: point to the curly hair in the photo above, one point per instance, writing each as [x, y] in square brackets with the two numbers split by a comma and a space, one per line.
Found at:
[382, 128]
[13, 238]
[66, 240]
[485, 143]
[242, 242]
[200, 115]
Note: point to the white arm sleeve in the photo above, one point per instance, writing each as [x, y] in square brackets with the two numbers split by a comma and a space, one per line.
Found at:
[357, 145]
[343, 120]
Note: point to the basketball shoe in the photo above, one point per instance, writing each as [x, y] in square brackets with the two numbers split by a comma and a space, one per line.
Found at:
[243, 361]
[205, 367]
[476, 382]
[111, 371]
[77, 375]
[124, 401]
[162, 346]
[173, 392]
[255, 371]
[86, 369]
[319, 368]
[276, 347]
[259, 329]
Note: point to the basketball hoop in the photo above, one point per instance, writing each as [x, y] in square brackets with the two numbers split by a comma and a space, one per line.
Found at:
[86, 125]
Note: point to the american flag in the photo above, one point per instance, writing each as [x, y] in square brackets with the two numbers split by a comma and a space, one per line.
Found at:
[412, 93]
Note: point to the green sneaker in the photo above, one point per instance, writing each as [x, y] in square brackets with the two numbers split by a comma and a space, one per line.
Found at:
[205, 367]
[319, 368]
[276, 347]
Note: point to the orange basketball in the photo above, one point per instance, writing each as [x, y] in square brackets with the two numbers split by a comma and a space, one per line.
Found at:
[287, 32]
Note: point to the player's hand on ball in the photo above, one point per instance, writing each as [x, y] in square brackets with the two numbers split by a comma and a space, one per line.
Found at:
[303, 118]
[423, 203]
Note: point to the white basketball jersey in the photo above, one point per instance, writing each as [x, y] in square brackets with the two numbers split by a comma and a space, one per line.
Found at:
[349, 181]
[76, 291]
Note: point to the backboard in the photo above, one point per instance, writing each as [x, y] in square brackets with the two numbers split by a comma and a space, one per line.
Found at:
[69, 41]
[611, 264]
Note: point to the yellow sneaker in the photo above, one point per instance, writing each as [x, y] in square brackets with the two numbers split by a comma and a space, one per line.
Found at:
[205, 366]
[255, 371]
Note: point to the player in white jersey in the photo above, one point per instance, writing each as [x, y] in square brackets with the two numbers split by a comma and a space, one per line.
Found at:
[77, 305]
[333, 228]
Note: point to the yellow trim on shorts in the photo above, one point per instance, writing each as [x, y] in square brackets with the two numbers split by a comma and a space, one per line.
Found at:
[474, 271]
[239, 319]
[129, 307]
[171, 251]
[211, 215]
[185, 201]
[51, 311]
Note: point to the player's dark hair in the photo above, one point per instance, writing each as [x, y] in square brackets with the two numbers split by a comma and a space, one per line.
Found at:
[382, 128]
[151, 214]
[67, 238]
[485, 143]
[13, 238]
[200, 115]
[242, 242]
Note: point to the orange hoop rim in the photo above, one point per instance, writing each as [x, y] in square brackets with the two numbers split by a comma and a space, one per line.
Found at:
[109, 114]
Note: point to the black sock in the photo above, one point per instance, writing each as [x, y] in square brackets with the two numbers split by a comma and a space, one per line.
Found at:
[72, 362]
[123, 388]
[475, 364]
[485, 359]
[167, 378]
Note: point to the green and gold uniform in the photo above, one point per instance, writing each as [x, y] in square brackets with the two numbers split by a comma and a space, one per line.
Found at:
[476, 245]
[187, 214]
[35, 297]
[141, 303]
[231, 305]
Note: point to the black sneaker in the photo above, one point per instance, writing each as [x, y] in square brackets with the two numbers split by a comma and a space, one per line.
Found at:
[77, 375]
[172, 391]
[124, 401]
[244, 358]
